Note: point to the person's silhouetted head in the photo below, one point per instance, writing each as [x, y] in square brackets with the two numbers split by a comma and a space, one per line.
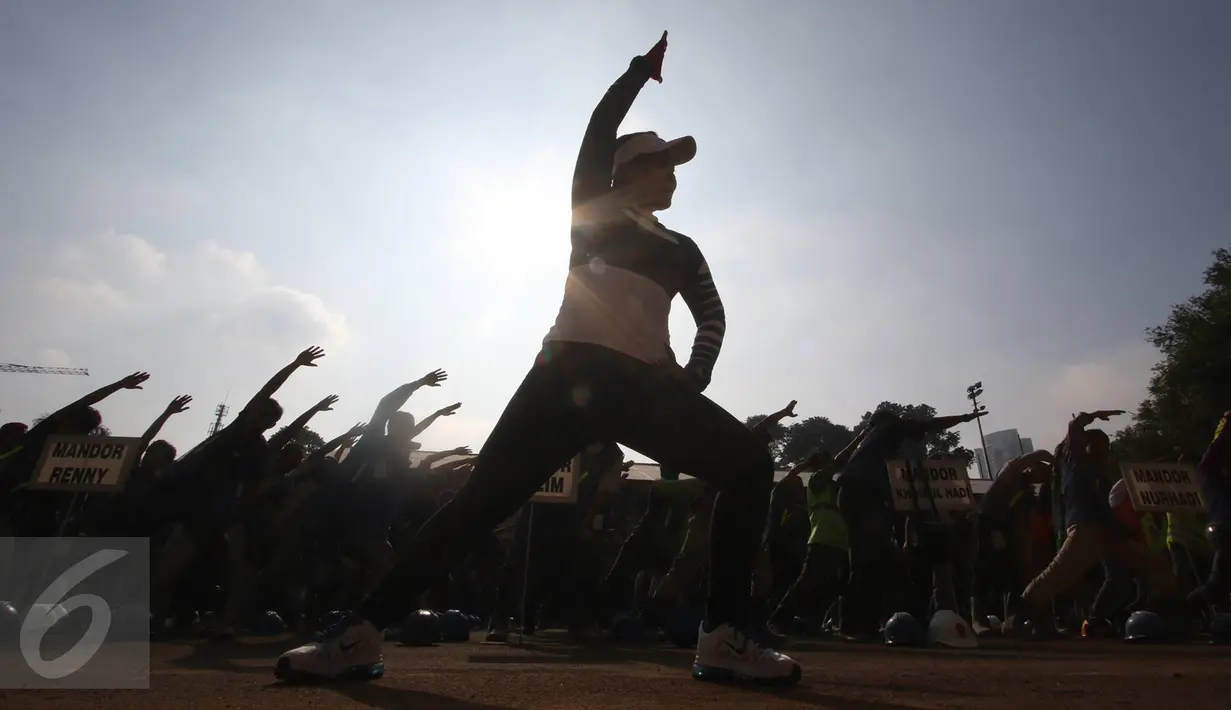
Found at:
[644, 168]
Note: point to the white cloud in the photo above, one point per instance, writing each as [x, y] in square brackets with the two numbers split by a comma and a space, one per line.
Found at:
[86, 293]
[241, 263]
[1039, 399]
[145, 260]
[112, 194]
[1112, 380]
[203, 319]
[51, 357]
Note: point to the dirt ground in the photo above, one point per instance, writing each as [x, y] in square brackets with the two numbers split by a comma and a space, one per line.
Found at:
[551, 675]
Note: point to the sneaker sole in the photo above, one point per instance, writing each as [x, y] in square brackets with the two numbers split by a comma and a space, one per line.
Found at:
[713, 674]
[285, 673]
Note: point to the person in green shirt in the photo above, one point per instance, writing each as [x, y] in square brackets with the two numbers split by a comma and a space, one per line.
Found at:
[827, 560]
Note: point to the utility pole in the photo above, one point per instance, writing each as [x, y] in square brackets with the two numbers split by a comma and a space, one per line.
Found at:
[973, 393]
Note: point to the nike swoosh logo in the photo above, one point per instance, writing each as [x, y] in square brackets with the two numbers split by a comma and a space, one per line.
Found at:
[739, 650]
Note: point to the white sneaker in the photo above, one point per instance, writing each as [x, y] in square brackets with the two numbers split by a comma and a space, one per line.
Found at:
[350, 649]
[726, 654]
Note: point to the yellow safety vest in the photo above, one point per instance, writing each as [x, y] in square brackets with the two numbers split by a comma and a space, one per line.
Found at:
[828, 526]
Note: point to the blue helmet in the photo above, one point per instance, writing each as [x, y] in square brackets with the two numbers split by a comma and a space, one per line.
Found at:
[1145, 626]
[1220, 628]
[902, 629]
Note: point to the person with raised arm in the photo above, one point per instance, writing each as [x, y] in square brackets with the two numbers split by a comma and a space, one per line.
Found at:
[864, 497]
[1214, 475]
[381, 476]
[605, 372]
[1001, 556]
[1091, 533]
[826, 565]
[36, 514]
[202, 487]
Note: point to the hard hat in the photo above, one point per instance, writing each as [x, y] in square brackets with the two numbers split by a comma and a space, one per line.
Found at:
[951, 631]
[1145, 626]
[902, 629]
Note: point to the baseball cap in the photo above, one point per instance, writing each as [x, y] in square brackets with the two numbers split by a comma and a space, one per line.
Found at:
[680, 151]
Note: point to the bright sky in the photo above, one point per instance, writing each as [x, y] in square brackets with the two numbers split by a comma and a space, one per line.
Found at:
[896, 198]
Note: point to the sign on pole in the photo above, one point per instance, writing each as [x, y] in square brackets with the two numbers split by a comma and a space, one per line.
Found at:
[1163, 487]
[85, 464]
[562, 486]
[917, 484]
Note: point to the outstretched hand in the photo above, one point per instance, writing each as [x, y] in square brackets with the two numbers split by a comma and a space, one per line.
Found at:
[1106, 414]
[309, 357]
[179, 404]
[433, 378]
[357, 431]
[975, 415]
[134, 381]
[790, 410]
[326, 404]
[449, 410]
[655, 58]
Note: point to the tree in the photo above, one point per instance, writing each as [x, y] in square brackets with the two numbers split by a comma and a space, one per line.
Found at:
[308, 439]
[100, 430]
[794, 442]
[813, 434]
[1191, 385]
[947, 443]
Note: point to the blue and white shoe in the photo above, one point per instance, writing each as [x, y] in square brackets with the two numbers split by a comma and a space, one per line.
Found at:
[727, 655]
[348, 650]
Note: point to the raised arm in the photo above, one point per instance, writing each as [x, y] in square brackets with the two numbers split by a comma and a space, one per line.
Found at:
[307, 358]
[290, 431]
[451, 466]
[1076, 435]
[849, 450]
[433, 458]
[592, 174]
[1216, 451]
[393, 401]
[431, 418]
[177, 405]
[132, 382]
[942, 423]
[348, 438]
[1026, 461]
[701, 296]
[777, 417]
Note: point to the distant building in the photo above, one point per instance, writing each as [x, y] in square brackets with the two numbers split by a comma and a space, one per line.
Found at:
[1002, 447]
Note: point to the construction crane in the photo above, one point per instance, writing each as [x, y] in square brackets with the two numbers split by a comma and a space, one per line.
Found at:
[36, 370]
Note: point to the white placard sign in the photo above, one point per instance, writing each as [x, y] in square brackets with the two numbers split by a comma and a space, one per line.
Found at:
[1163, 487]
[85, 464]
[562, 486]
[944, 481]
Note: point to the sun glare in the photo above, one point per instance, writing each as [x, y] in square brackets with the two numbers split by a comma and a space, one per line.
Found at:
[522, 227]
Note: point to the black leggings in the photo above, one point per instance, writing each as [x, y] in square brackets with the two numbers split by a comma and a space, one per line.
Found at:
[576, 395]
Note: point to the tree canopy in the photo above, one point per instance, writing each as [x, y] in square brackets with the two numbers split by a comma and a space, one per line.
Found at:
[100, 430]
[793, 442]
[1191, 384]
[308, 439]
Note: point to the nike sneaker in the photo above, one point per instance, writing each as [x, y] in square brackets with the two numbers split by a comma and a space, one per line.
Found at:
[350, 649]
[725, 654]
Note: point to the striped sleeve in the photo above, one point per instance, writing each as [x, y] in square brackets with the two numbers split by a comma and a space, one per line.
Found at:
[702, 298]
